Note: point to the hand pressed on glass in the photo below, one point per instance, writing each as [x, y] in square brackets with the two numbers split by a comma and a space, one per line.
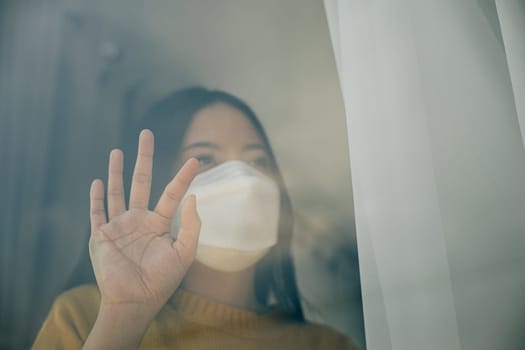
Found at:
[134, 258]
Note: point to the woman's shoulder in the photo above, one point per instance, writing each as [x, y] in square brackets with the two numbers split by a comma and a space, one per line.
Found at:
[82, 301]
[70, 319]
[87, 293]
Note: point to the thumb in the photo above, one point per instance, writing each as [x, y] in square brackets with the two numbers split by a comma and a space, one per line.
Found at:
[188, 236]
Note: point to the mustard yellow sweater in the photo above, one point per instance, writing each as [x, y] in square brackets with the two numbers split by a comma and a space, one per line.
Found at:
[188, 321]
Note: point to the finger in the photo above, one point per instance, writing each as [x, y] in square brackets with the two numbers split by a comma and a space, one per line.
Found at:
[188, 236]
[116, 201]
[174, 191]
[141, 182]
[96, 204]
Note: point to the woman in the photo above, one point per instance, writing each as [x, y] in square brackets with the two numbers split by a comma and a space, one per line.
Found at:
[159, 284]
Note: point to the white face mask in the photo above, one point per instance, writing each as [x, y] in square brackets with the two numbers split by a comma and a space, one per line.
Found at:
[239, 210]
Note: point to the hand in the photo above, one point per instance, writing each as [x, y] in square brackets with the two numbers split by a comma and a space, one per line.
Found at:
[136, 262]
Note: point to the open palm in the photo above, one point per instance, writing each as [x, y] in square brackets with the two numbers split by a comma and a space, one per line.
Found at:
[135, 259]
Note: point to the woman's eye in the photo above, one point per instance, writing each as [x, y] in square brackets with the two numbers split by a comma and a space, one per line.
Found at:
[205, 160]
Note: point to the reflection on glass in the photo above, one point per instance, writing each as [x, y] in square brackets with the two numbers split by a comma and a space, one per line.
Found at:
[233, 285]
[76, 78]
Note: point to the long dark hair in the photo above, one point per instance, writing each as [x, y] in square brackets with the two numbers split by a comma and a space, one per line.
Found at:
[169, 120]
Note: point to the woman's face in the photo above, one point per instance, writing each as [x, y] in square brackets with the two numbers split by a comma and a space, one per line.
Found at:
[220, 133]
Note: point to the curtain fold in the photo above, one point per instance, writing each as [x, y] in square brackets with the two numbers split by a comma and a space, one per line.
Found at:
[438, 170]
[511, 15]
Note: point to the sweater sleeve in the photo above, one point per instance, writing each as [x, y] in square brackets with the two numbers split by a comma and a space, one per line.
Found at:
[70, 320]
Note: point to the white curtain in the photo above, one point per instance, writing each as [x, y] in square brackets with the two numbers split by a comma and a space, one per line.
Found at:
[434, 93]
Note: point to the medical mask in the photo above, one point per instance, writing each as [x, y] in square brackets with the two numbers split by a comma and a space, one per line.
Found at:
[239, 211]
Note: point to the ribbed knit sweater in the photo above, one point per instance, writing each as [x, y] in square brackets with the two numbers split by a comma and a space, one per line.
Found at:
[188, 321]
